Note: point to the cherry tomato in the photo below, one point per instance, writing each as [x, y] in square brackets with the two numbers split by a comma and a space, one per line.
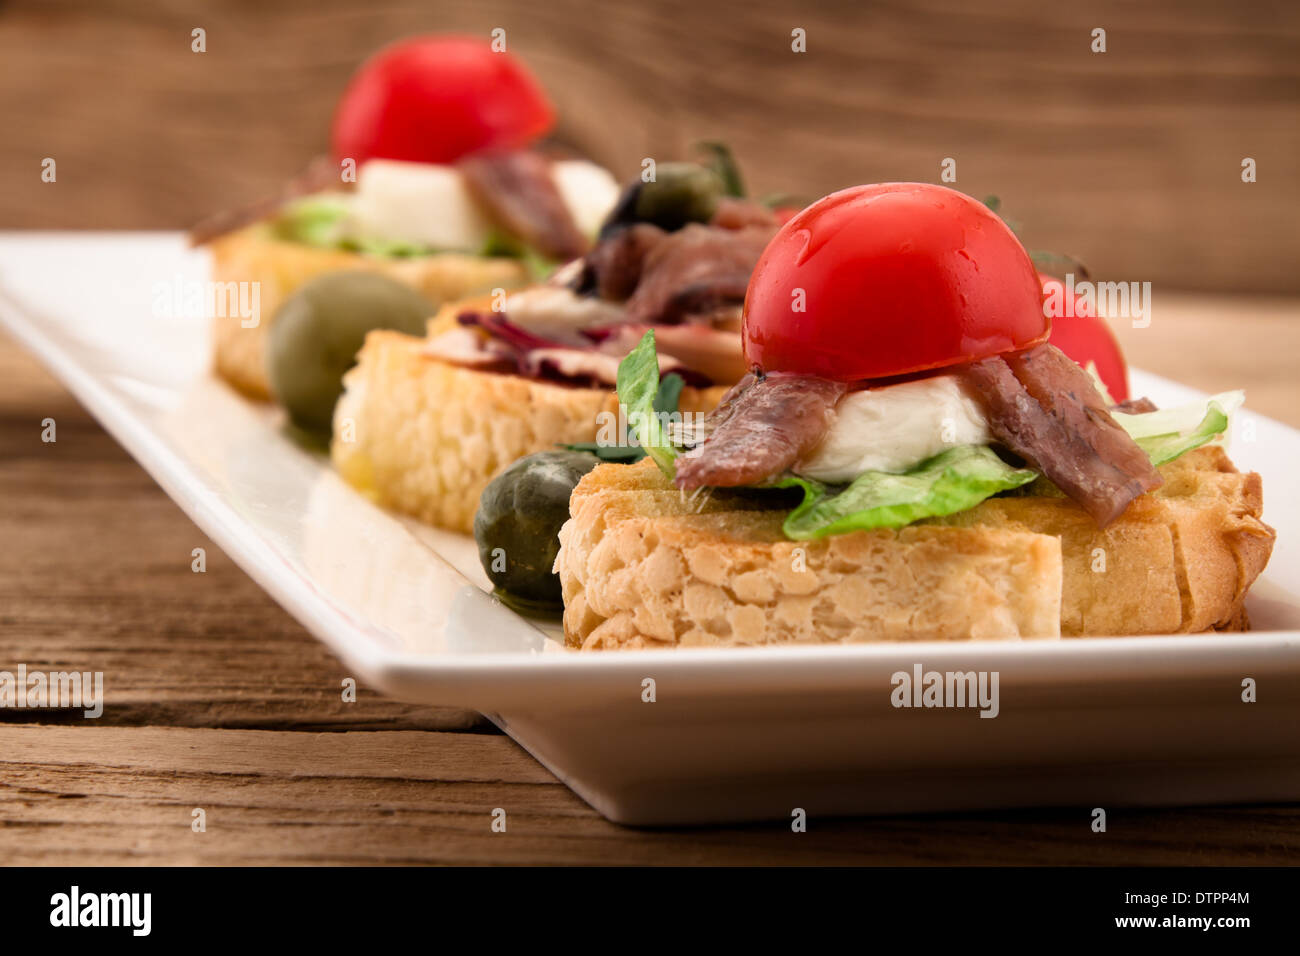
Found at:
[888, 279]
[1082, 335]
[433, 99]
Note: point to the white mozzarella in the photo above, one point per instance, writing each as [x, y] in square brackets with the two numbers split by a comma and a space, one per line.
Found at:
[588, 190]
[895, 427]
[431, 205]
[418, 203]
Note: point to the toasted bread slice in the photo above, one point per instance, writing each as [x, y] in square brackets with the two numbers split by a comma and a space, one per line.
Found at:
[253, 254]
[425, 437]
[644, 565]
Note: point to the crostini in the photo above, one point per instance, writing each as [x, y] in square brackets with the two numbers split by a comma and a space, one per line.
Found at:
[425, 423]
[434, 182]
[909, 458]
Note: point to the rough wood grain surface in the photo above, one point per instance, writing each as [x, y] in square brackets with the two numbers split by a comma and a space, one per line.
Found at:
[127, 795]
[1130, 159]
[95, 574]
[220, 701]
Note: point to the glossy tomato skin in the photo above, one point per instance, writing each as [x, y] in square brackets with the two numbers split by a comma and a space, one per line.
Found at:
[434, 99]
[893, 278]
[1085, 337]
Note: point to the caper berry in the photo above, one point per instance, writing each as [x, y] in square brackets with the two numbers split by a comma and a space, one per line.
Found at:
[518, 522]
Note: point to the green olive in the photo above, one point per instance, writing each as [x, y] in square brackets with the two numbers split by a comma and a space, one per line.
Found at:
[317, 332]
[680, 193]
[517, 525]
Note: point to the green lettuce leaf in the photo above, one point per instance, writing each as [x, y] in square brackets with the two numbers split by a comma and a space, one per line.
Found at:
[952, 481]
[1170, 432]
[321, 221]
[313, 220]
[386, 248]
[501, 243]
[638, 390]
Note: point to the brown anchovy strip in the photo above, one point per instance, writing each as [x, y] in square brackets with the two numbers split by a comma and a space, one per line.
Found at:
[733, 213]
[669, 278]
[1134, 406]
[613, 268]
[696, 271]
[1041, 405]
[519, 192]
[761, 428]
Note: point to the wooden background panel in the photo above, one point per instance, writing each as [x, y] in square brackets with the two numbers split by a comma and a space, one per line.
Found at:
[1129, 159]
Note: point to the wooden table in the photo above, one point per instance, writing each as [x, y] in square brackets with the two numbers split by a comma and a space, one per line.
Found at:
[218, 700]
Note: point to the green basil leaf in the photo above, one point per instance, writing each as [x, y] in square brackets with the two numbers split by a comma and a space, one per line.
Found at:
[638, 388]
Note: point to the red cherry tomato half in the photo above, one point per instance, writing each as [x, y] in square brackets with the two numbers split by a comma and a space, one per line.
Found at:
[884, 280]
[433, 99]
[1081, 334]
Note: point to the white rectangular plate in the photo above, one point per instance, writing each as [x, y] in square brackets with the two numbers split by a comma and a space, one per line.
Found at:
[732, 734]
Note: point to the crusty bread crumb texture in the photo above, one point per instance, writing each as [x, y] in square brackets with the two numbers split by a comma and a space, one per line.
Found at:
[643, 565]
[279, 267]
